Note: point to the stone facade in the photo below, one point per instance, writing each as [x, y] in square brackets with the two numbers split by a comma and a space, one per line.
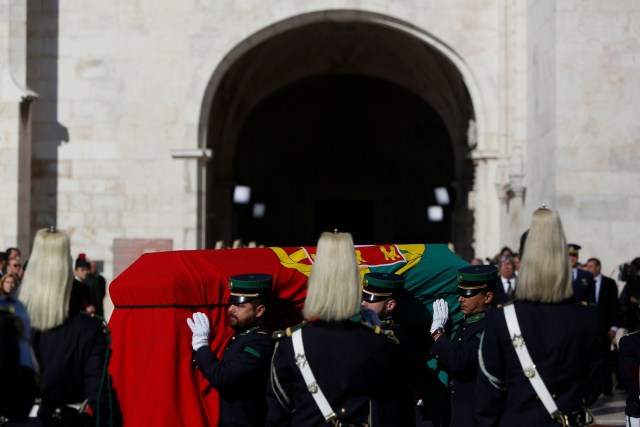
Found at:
[107, 111]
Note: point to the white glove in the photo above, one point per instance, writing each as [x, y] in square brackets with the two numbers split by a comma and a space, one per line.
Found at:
[440, 314]
[200, 328]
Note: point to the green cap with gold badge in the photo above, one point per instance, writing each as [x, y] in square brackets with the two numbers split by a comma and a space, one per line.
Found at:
[477, 278]
[246, 287]
[380, 286]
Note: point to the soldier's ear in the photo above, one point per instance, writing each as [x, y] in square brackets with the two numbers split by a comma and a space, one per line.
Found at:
[260, 310]
[488, 297]
[391, 304]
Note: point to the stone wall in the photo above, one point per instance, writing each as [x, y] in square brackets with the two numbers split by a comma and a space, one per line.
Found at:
[123, 84]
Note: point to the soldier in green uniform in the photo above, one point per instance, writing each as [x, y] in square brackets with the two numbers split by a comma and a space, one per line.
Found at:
[333, 369]
[459, 357]
[241, 375]
[380, 293]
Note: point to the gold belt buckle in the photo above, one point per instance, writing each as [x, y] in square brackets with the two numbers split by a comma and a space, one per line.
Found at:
[561, 418]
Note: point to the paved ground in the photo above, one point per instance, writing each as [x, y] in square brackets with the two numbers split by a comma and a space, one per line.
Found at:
[609, 411]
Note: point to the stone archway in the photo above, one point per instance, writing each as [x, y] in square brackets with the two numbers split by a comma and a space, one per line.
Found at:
[391, 77]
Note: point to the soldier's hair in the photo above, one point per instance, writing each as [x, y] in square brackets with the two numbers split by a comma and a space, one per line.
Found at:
[46, 286]
[333, 290]
[545, 274]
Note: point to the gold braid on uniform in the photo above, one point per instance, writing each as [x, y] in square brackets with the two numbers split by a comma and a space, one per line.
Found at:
[379, 331]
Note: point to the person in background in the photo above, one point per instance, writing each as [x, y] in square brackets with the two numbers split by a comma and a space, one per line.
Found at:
[13, 253]
[97, 287]
[516, 263]
[18, 366]
[241, 375]
[609, 313]
[8, 283]
[15, 267]
[353, 364]
[459, 356]
[557, 331]
[584, 289]
[506, 286]
[3, 263]
[71, 347]
[81, 294]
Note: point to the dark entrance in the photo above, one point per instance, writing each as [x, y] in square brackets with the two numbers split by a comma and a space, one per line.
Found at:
[342, 151]
[337, 123]
[346, 215]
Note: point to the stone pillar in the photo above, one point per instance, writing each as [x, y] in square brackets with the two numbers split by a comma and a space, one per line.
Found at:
[482, 203]
[196, 178]
[15, 127]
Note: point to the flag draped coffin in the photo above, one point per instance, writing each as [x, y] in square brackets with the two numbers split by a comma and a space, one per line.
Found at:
[151, 362]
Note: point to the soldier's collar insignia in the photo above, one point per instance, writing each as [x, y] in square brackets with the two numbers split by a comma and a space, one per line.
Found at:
[474, 318]
[248, 331]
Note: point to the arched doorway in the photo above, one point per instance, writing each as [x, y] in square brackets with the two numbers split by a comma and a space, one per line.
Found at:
[339, 124]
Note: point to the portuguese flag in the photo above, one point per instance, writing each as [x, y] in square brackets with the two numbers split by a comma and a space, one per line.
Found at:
[151, 363]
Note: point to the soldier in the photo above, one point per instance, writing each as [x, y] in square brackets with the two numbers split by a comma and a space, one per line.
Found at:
[333, 369]
[380, 293]
[459, 358]
[539, 357]
[241, 376]
[584, 288]
[629, 359]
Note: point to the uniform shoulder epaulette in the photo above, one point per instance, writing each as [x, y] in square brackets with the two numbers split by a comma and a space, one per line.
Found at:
[281, 333]
[588, 304]
[504, 305]
[101, 319]
[391, 335]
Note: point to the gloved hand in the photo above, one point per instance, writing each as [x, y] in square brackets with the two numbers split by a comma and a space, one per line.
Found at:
[200, 328]
[440, 314]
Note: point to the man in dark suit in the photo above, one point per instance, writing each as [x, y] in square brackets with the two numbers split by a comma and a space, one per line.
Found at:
[506, 285]
[584, 289]
[606, 292]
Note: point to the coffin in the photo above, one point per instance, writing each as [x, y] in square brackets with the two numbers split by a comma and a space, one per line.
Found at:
[151, 364]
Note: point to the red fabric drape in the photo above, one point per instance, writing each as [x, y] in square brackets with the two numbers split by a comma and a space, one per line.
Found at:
[153, 374]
